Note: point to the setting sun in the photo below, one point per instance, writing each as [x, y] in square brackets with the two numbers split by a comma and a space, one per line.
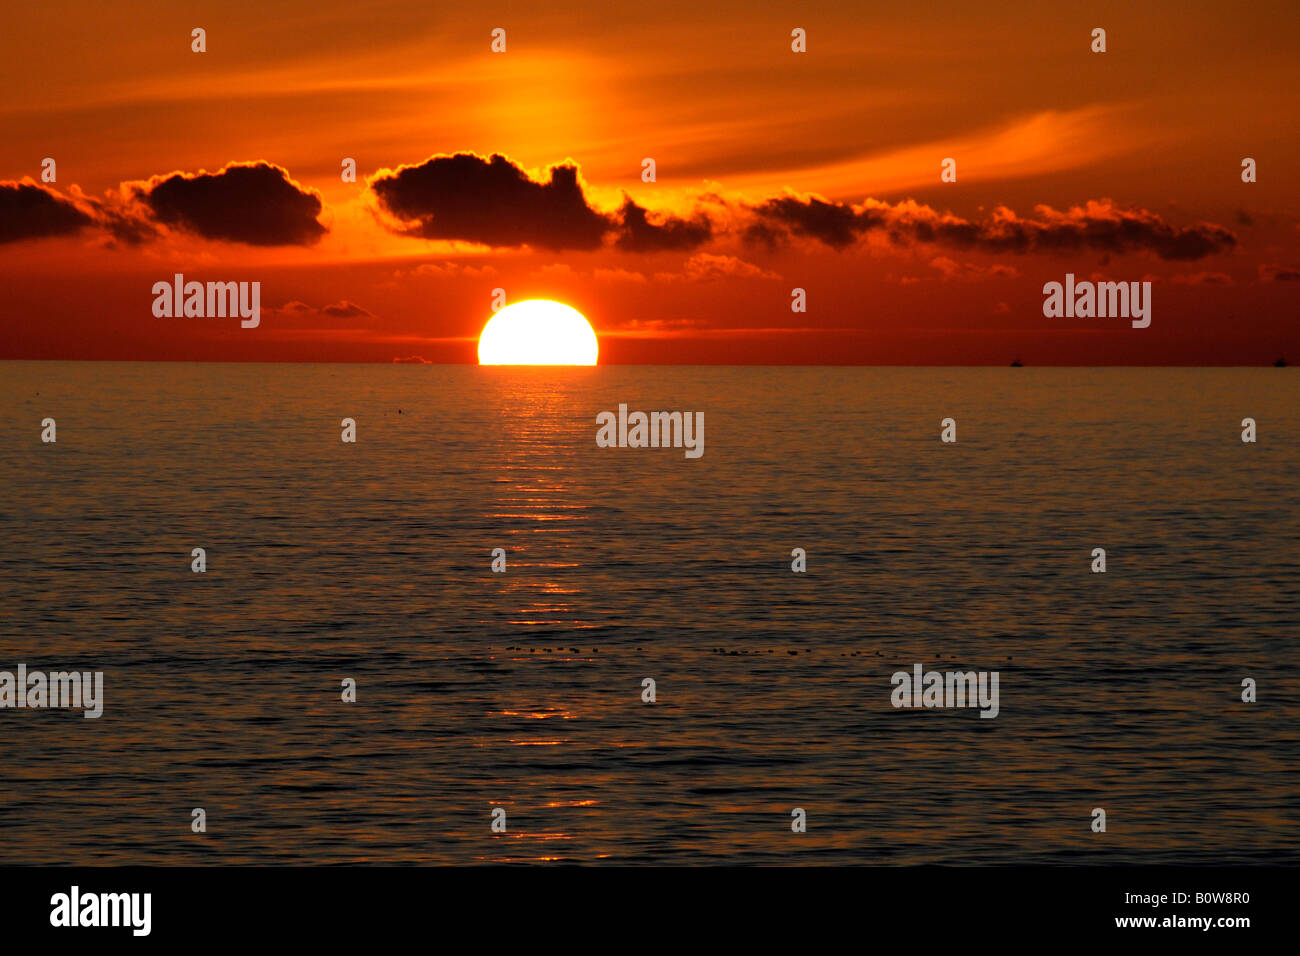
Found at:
[537, 332]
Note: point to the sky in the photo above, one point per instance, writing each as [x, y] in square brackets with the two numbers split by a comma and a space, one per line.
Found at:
[775, 170]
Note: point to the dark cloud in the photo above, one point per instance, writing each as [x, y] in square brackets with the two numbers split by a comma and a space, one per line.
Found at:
[346, 310]
[638, 234]
[123, 225]
[495, 202]
[761, 234]
[835, 224]
[1202, 278]
[253, 203]
[1097, 226]
[28, 211]
[299, 314]
[1275, 273]
[490, 201]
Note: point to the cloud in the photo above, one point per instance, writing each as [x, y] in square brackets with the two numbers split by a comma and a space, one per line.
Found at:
[1098, 225]
[1202, 278]
[952, 269]
[639, 234]
[445, 269]
[346, 310]
[1026, 146]
[495, 202]
[254, 203]
[294, 307]
[29, 211]
[296, 312]
[32, 211]
[617, 275]
[563, 272]
[556, 271]
[834, 224]
[490, 201]
[411, 360]
[704, 267]
[1276, 273]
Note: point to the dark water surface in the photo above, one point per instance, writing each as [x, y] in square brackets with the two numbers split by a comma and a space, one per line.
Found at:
[523, 690]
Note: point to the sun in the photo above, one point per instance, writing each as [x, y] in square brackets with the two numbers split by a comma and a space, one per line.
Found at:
[537, 332]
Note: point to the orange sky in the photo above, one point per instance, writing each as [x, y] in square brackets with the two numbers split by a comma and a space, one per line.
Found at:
[775, 170]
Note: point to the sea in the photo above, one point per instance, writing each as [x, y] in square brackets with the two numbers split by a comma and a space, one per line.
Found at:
[520, 695]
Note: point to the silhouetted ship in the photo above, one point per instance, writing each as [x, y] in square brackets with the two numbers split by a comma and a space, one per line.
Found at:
[1280, 363]
[1017, 364]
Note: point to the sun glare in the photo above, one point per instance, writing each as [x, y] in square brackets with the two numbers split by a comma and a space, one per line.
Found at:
[537, 332]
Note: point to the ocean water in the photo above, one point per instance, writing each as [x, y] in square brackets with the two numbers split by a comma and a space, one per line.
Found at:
[522, 690]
